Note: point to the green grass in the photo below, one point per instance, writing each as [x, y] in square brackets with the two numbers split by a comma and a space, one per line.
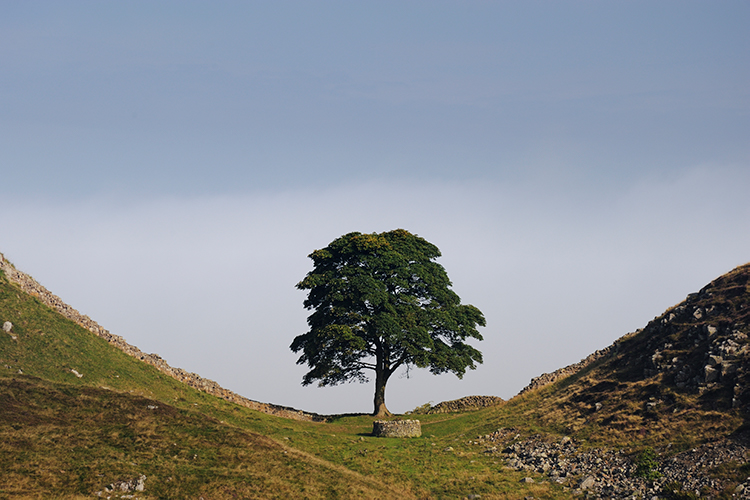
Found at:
[70, 440]
[67, 436]
[62, 436]
[89, 429]
[49, 346]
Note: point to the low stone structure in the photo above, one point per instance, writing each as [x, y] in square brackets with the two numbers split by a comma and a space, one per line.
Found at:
[465, 404]
[396, 428]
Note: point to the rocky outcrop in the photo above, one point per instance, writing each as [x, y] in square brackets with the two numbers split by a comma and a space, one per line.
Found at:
[30, 286]
[698, 346]
[396, 428]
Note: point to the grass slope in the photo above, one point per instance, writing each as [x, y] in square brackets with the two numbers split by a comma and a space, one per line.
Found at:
[58, 439]
[652, 389]
[68, 436]
[65, 436]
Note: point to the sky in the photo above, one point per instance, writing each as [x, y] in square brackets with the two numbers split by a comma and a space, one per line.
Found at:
[166, 168]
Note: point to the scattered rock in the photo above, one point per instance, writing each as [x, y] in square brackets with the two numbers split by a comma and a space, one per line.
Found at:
[124, 486]
[611, 473]
[711, 374]
[7, 327]
[587, 483]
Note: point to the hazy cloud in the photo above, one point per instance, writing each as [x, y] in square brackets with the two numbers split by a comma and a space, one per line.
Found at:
[208, 282]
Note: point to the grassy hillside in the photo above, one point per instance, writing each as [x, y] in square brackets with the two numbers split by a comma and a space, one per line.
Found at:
[683, 379]
[62, 434]
[59, 439]
[68, 436]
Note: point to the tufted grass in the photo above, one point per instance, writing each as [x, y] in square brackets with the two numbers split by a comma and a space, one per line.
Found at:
[71, 440]
[62, 436]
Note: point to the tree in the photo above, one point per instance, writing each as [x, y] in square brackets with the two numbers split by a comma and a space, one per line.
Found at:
[381, 302]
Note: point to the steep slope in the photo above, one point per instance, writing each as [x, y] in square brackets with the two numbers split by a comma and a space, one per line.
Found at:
[663, 412]
[30, 286]
[77, 415]
[64, 441]
[684, 377]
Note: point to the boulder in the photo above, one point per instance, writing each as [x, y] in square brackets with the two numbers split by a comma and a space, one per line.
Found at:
[712, 374]
[587, 483]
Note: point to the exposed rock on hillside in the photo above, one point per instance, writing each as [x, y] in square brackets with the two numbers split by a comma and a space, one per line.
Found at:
[30, 286]
[699, 346]
[613, 473]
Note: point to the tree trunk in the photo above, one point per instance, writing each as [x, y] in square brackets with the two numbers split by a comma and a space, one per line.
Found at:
[381, 378]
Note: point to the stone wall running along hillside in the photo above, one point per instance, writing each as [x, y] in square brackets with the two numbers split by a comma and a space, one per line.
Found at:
[30, 286]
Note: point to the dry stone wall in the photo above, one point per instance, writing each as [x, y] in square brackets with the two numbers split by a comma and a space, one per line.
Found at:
[397, 428]
[466, 403]
[30, 286]
[559, 374]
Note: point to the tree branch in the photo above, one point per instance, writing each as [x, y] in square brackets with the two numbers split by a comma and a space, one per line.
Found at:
[398, 363]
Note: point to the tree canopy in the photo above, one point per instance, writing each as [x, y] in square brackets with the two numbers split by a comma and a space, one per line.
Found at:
[381, 302]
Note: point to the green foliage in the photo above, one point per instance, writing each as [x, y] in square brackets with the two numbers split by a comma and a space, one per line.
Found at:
[380, 302]
[647, 465]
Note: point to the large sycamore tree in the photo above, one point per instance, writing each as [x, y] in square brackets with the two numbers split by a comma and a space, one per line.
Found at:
[380, 302]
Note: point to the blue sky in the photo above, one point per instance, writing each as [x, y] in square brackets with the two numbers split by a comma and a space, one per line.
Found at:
[167, 166]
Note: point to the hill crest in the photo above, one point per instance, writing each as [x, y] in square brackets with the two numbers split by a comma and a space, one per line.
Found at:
[700, 344]
[30, 286]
